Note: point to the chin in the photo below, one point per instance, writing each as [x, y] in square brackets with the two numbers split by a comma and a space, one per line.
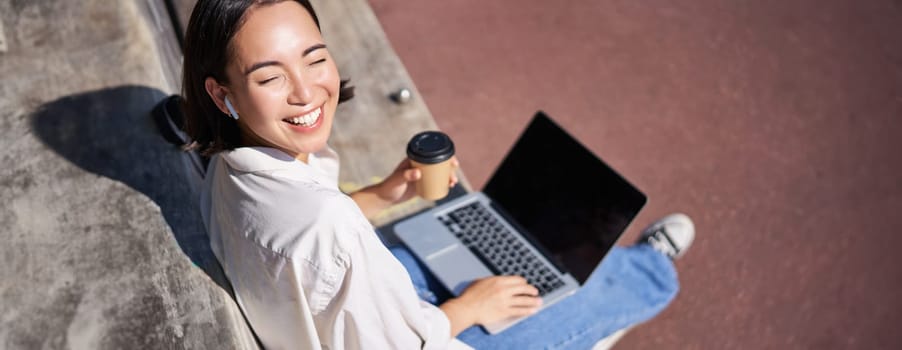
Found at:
[310, 147]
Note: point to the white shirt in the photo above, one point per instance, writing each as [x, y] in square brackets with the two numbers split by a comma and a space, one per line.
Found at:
[307, 268]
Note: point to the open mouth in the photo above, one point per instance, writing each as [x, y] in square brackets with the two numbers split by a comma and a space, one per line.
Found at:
[306, 120]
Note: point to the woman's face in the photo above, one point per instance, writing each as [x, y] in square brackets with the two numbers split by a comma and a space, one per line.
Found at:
[282, 81]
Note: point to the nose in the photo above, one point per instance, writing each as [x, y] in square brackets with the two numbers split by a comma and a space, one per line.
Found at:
[301, 92]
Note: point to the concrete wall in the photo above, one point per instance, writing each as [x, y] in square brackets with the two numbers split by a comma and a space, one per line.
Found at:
[102, 244]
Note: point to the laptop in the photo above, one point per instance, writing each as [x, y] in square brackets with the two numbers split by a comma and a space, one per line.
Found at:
[550, 213]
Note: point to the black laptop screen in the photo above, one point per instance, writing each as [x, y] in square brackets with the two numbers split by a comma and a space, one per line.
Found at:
[563, 196]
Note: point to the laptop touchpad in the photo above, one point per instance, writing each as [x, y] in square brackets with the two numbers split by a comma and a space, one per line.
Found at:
[426, 239]
[457, 267]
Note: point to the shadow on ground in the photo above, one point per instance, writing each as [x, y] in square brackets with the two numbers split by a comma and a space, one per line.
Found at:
[110, 133]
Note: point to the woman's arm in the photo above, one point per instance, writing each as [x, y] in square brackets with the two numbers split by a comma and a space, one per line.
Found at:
[397, 188]
[372, 200]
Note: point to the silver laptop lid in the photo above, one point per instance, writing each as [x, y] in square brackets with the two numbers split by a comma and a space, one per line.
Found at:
[563, 197]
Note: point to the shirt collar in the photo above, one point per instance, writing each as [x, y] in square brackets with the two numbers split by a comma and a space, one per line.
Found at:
[324, 164]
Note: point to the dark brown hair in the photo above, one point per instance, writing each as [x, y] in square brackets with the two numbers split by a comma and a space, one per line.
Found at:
[210, 30]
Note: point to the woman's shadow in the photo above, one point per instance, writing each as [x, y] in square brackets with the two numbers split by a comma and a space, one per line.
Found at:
[110, 133]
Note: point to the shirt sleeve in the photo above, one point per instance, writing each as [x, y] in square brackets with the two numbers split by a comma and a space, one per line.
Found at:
[283, 294]
[439, 328]
[320, 276]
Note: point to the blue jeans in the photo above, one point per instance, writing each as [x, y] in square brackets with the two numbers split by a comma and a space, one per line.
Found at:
[632, 285]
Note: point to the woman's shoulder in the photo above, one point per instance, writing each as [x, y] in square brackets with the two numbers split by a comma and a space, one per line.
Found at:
[285, 214]
[329, 229]
[256, 159]
[257, 163]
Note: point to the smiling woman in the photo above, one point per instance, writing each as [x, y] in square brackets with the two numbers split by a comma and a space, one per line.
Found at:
[268, 59]
[281, 81]
[307, 268]
[261, 90]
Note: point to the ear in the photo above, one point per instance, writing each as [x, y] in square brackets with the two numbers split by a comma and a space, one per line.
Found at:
[217, 93]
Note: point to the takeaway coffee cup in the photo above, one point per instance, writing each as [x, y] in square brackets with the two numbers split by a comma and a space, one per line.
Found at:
[431, 152]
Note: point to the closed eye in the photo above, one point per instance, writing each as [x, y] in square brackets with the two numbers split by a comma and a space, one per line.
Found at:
[319, 61]
[267, 80]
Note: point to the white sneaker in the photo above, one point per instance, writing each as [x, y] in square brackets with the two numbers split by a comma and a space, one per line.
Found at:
[671, 235]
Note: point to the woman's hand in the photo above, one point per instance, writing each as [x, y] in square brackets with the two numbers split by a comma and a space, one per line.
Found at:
[490, 300]
[398, 187]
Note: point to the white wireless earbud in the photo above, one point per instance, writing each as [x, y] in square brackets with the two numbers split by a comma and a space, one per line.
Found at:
[231, 109]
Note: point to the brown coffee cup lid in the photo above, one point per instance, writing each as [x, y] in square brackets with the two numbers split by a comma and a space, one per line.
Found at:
[430, 147]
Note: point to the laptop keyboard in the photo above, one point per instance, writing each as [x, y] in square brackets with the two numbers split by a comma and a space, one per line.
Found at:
[498, 248]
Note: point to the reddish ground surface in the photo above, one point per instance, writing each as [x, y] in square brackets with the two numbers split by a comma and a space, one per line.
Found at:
[774, 124]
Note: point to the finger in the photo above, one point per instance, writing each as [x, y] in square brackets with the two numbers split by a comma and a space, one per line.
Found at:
[412, 174]
[453, 180]
[512, 280]
[525, 302]
[404, 164]
[525, 289]
[522, 311]
[454, 162]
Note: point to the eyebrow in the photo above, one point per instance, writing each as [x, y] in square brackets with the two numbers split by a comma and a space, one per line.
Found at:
[259, 65]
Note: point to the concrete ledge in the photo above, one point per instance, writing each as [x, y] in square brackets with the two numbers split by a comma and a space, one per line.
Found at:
[2, 38]
[102, 248]
[103, 244]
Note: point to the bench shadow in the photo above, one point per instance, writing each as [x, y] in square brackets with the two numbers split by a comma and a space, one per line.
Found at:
[110, 133]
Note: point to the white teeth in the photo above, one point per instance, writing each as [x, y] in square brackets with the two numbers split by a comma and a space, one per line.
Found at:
[308, 119]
